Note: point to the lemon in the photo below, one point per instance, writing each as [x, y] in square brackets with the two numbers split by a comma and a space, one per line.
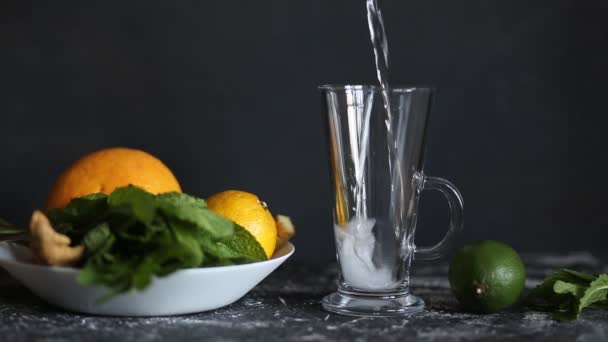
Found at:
[247, 210]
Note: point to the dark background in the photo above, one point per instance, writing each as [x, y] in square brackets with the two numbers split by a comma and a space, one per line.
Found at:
[225, 93]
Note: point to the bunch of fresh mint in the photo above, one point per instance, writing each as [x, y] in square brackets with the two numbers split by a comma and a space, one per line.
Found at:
[131, 236]
[566, 293]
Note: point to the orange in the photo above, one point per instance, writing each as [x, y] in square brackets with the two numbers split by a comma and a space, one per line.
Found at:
[108, 169]
[247, 210]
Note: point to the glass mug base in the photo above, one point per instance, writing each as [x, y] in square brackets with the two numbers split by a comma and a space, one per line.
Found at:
[368, 304]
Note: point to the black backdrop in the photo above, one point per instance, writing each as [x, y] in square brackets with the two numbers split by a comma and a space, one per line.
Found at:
[225, 93]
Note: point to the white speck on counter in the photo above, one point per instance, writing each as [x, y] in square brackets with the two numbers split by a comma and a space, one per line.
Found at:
[312, 337]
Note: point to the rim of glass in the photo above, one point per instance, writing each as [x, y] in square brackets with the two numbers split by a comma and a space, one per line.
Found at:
[374, 88]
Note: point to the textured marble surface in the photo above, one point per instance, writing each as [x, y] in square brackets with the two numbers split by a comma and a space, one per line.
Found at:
[286, 306]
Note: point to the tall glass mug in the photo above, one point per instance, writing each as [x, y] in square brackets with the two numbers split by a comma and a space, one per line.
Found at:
[377, 172]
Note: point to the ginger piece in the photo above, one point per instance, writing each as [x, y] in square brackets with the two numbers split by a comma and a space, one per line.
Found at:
[49, 246]
[285, 230]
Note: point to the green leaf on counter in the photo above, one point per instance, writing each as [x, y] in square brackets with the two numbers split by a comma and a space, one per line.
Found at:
[567, 293]
[596, 292]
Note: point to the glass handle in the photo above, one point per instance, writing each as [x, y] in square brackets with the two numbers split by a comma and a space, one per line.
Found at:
[456, 217]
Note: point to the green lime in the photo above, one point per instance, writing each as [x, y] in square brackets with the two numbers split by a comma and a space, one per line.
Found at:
[487, 276]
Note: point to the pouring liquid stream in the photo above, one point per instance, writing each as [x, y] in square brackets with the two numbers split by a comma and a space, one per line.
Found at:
[362, 266]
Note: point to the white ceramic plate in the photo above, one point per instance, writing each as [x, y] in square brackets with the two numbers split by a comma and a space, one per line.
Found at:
[182, 292]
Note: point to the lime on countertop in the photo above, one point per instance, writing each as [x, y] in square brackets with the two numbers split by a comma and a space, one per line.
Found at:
[487, 276]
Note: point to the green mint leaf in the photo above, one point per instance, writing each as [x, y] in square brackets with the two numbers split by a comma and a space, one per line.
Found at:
[544, 294]
[131, 200]
[110, 271]
[187, 209]
[128, 228]
[173, 258]
[180, 200]
[567, 311]
[143, 273]
[81, 211]
[577, 277]
[577, 290]
[98, 238]
[545, 298]
[597, 292]
[566, 293]
[219, 254]
[186, 240]
[245, 244]
[88, 276]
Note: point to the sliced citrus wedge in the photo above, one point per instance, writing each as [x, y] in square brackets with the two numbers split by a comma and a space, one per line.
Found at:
[285, 230]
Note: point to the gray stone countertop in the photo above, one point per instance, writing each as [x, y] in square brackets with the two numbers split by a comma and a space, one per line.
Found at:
[285, 306]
